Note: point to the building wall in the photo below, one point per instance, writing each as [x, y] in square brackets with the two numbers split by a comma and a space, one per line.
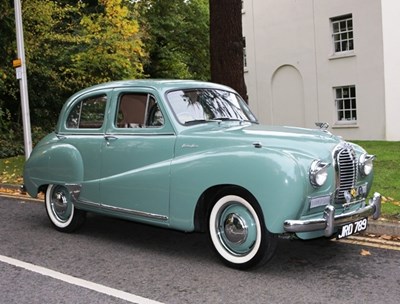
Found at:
[292, 70]
[391, 50]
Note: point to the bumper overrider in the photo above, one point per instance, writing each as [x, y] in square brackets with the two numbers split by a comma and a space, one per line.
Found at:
[330, 221]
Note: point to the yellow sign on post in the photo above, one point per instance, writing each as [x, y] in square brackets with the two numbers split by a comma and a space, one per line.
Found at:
[17, 63]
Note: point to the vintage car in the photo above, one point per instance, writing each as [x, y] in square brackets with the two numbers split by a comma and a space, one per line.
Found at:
[190, 156]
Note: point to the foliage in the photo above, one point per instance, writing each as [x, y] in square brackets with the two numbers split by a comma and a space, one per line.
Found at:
[8, 88]
[10, 146]
[387, 176]
[9, 141]
[68, 45]
[109, 47]
[177, 38]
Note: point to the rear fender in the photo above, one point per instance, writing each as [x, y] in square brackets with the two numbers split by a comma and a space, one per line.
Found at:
[56, 164]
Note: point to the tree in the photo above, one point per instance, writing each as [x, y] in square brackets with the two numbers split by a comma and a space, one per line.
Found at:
[177, 38]
[68, 47]
[73, 44]
[226, 44]
[110, 46]
[8, 90]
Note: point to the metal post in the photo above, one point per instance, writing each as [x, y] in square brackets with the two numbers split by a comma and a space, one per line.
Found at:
[23, 82]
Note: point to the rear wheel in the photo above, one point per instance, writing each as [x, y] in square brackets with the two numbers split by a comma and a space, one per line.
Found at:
[237, 231]
[61, 210]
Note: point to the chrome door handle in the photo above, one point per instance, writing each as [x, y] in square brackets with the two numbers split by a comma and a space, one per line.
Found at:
[109, 138]
[61, 137]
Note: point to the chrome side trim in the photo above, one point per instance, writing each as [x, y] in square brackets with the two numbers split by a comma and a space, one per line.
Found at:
[330, 221]
[88, 203]
[137, 134]
[75, 190]
[135, 212]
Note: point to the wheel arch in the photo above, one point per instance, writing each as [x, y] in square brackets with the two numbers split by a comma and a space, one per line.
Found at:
[276, 179]
[208, 199]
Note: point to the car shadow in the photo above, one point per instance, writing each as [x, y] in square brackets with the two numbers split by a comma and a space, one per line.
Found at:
[291, 255]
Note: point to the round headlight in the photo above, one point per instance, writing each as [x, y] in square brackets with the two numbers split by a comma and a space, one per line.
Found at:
[366, 164]
[318, 173]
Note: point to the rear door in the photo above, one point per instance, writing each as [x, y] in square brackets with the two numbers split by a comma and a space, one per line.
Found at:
[83, 128]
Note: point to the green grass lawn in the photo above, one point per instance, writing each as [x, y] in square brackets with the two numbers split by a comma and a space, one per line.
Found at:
[11, 170]
[386, 181]
[387, 174]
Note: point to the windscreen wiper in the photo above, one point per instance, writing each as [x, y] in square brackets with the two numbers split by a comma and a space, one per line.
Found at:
[200, 121]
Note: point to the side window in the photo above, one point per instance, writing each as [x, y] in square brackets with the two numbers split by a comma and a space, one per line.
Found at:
[88, 113]
[138, 110]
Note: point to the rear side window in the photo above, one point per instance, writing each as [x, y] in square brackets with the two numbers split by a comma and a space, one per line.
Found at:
[88, 113]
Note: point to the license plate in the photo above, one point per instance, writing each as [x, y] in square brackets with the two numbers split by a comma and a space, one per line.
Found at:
[352, 228]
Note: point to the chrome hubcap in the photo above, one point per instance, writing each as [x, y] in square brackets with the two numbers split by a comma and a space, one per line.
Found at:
[60, 203]
[60, 206]
[235, 229]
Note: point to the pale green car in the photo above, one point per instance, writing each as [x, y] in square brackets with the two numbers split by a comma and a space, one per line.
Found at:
[191, 156]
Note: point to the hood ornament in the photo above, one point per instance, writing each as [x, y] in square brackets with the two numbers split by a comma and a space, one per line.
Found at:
[322, 125]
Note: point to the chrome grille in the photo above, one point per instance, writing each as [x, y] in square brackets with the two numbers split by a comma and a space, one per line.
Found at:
[347, 171]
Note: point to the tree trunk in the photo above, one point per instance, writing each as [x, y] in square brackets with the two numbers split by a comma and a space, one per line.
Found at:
[226, 44]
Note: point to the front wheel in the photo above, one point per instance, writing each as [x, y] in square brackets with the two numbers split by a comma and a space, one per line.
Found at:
[61, 210]
[237, 231]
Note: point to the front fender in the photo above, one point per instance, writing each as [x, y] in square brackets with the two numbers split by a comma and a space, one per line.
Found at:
[49, 164]
[273, 177]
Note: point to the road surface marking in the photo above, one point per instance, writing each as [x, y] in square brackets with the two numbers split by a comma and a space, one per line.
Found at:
[78, 282]
[371, 242]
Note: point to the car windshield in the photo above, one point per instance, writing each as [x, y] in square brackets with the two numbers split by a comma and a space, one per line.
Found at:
[193, 106]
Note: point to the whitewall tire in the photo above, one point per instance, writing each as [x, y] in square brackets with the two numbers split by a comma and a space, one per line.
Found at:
[61, 210]
[237, 231]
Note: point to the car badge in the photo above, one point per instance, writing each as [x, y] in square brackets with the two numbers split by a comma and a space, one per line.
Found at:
[347, 196]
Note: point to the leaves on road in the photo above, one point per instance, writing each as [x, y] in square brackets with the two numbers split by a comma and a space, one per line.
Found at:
[365, 252]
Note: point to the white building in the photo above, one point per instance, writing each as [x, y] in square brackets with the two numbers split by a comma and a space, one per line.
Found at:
[334, 61]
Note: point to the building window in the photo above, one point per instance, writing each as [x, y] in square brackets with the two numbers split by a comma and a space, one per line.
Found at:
[342, 33]
[345, 99]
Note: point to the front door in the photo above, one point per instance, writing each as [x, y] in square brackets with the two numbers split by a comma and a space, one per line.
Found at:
[136, 155]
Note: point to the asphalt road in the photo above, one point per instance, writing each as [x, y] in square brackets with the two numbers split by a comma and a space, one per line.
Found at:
[173, 267]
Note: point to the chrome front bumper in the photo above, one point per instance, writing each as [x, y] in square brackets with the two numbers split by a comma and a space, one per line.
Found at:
[330, 221]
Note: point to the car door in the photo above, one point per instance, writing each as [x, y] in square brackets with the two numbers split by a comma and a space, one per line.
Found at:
[137, 151]
[83, 128]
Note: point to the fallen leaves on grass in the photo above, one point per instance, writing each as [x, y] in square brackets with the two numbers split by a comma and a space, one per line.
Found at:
[7, 177]
[10, 191]
[17, 192]
[388, 199]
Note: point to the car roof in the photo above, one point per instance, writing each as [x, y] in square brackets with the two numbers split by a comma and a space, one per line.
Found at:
[161, 85]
